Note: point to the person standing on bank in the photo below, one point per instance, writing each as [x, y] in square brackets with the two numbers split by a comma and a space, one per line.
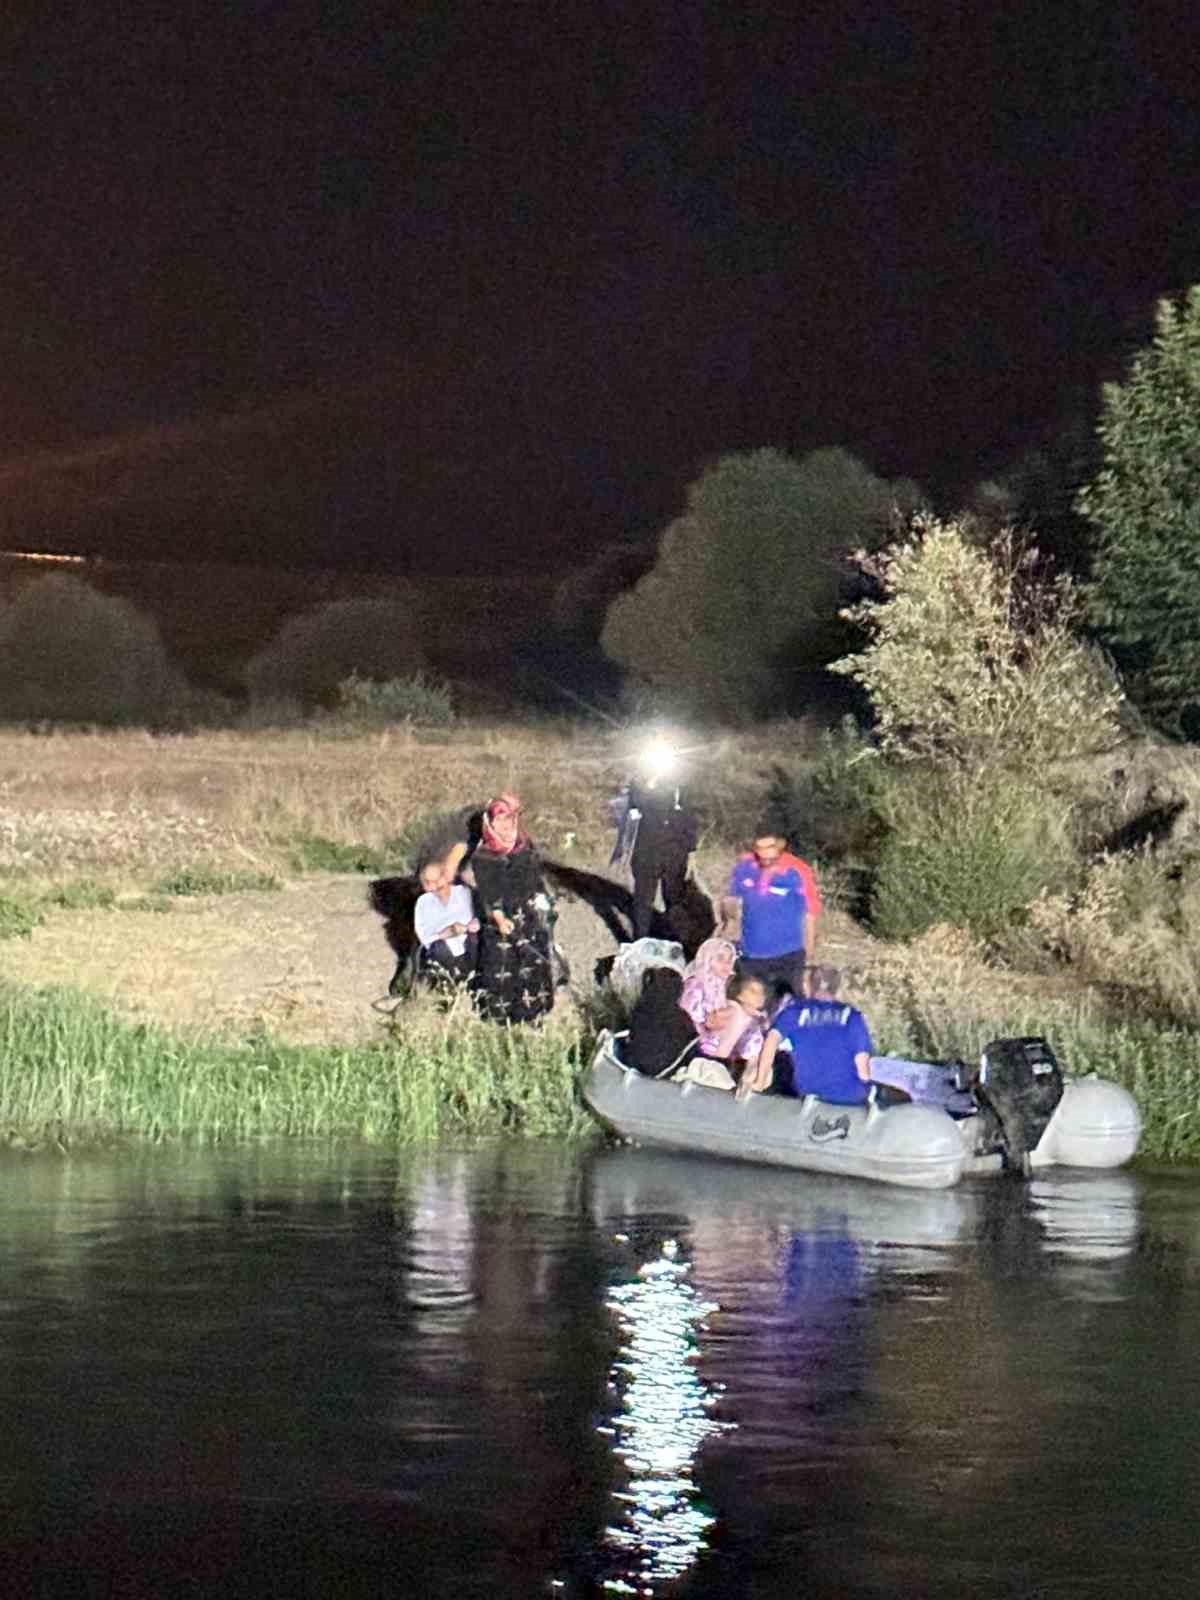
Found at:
[514, 979]
[829, 1044]
[665, 837]
[774, 900]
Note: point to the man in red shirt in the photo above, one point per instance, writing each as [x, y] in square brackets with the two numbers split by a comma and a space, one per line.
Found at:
[774, 900]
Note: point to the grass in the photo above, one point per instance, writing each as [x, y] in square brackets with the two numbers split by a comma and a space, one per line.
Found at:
[19, 916]
[71, 1073]
[145, 902]
[315, 853]
[202, 878]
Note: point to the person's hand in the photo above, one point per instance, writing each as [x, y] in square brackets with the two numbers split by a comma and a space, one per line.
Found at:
[505, 924]
[718, 1019]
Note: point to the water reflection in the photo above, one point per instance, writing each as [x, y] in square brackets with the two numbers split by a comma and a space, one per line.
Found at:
[360, 1372]
[665, 1415]
[439, 1247]
[1088, 1218]
[766, 1303]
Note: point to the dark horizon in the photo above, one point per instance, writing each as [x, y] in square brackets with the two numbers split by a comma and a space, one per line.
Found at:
[446, 292]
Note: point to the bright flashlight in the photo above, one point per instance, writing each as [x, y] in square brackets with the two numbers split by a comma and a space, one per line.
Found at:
[659, 759]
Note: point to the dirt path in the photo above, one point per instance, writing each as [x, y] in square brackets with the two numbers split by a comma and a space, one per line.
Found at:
[306, 961]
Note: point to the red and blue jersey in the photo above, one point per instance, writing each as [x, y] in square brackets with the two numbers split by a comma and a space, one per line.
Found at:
[776, 902]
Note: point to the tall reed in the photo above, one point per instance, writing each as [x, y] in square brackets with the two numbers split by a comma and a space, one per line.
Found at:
[933, 1000]
[72, 1072]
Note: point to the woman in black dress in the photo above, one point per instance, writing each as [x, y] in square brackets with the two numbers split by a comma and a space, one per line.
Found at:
[514, 981]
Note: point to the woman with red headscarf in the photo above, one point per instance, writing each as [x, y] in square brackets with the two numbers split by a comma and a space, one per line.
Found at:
[514, 981]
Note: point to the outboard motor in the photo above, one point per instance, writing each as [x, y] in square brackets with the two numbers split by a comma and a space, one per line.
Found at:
[1020, 1082]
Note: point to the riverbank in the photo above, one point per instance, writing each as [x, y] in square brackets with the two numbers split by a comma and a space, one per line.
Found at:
[190, 953]
[74, 1073]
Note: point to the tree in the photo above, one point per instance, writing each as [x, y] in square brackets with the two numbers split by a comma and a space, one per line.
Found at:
[974, 660]
[1041, 490]
[748, 581]
[582, 599]
[71, 653]
[1144, 504]
[316, 651]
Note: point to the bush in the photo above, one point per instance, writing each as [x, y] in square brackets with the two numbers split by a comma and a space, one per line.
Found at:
[18, 917]
[748, 582]
[974, 661]
[319, 650]
[970, 854]
[313, 852]
[1134, 926]
[84, 894]
[582, 599]
[419, 698]
[272, 713]
[827, 806]
[71, 654]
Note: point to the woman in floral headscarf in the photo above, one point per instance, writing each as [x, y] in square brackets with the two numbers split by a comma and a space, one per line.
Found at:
[705, 979]
[705, 998]
[514, 980]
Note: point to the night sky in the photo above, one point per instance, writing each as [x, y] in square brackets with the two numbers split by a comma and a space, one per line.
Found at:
[409, 286]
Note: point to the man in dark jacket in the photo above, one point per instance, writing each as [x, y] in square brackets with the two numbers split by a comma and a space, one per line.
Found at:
[666, 836]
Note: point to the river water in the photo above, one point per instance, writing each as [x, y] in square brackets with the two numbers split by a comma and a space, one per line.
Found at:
[519, 1370]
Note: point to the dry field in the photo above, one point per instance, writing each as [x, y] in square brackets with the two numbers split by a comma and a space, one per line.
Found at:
[118, 812]
[114, 799]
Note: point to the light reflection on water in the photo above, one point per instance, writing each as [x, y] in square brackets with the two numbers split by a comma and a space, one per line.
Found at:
[363, 1373]
[665, 1415]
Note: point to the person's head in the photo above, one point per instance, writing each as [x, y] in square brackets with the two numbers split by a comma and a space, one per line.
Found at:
[823, 982]
[748, 991]
[663, 983]
[434, 879]
[715, 958]
[502, 823]
[768, 847]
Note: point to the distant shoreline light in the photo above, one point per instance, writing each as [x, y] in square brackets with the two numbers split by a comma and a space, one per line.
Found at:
[45, 555]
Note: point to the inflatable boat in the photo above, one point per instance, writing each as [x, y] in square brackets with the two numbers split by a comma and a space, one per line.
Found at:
[1015, 1112]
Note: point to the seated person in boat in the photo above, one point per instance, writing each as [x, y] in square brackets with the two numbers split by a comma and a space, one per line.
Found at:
[730, 1038]
[828, 1042]
[446, 926]
[662, 1037]
[735, 1032]
[706, 980]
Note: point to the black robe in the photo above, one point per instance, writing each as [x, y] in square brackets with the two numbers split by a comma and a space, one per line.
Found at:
[514, 981]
